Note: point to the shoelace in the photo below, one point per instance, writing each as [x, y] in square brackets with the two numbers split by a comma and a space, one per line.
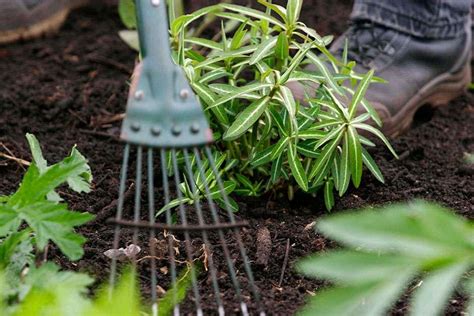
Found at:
[364, 52]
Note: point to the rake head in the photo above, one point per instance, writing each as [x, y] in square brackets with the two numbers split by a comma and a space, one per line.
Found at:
[187, 219]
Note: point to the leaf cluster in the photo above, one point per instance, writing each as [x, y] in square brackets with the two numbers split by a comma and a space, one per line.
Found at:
[36, 203]
[384, 251]
[243, 76]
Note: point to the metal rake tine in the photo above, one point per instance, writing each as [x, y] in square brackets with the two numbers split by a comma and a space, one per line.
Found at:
[182, 212]
[151, 218]
[204, 233]
[215, 216]
[123, 179]
[138, 195]
[166, 191]
[238, 238]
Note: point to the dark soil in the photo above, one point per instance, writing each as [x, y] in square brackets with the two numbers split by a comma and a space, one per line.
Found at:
[66, 88]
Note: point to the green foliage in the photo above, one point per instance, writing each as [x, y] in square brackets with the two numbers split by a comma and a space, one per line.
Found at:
[243, 78]
[36, 203]
[385, 249]
[126, 10]
[48, 291]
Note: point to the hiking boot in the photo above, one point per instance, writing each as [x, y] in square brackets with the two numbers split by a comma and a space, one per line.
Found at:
[419, 71]
[26, 19]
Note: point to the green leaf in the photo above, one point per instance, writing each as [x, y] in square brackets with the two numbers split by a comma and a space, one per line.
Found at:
[329, 194]
[379, 134]
[51, 221]
[239, 36]
[368, 299]
[325, 156]
[238, 92]
[350, 266]
[263, 50]
[36, 152]
[355, 156]
[131, 39]
[36, 186]
[234, 207]
[246, 119]
[434, 292]
[371, 165]
[323, 69]
[293, 9]
[124, 299]
[280, 146]
[418, 229]
[296, 167]
[345, 168]
[263, 157]
[9, 245]
[282, 48]
[205, 43]
[360, 93]
[9, 220]
[177, 293]
[49, 291]
[276, 169]
[252, 13]
[126, 9]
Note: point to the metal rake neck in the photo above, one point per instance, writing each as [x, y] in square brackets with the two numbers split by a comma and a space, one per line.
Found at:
[162, 110]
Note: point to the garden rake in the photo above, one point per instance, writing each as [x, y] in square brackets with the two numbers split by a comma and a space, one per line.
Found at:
[165, 119]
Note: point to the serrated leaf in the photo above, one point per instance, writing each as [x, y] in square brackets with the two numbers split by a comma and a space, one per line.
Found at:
[9, 219]
[246, 119]
[51, 221]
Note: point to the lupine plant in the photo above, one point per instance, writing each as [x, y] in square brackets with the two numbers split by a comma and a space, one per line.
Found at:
[385, 251]
[242, 76]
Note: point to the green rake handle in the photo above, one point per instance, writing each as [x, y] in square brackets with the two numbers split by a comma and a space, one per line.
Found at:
[162, 110]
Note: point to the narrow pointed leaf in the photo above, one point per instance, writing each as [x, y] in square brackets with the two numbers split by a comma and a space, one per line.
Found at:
[246, 119]
[355, 156]
[371, 165]
[360, 93]
[296, 167]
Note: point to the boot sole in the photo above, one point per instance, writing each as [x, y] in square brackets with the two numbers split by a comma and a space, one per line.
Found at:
[46, 27]
[439, 92]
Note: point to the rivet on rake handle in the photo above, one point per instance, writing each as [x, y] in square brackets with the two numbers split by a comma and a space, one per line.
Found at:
[176, 228]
